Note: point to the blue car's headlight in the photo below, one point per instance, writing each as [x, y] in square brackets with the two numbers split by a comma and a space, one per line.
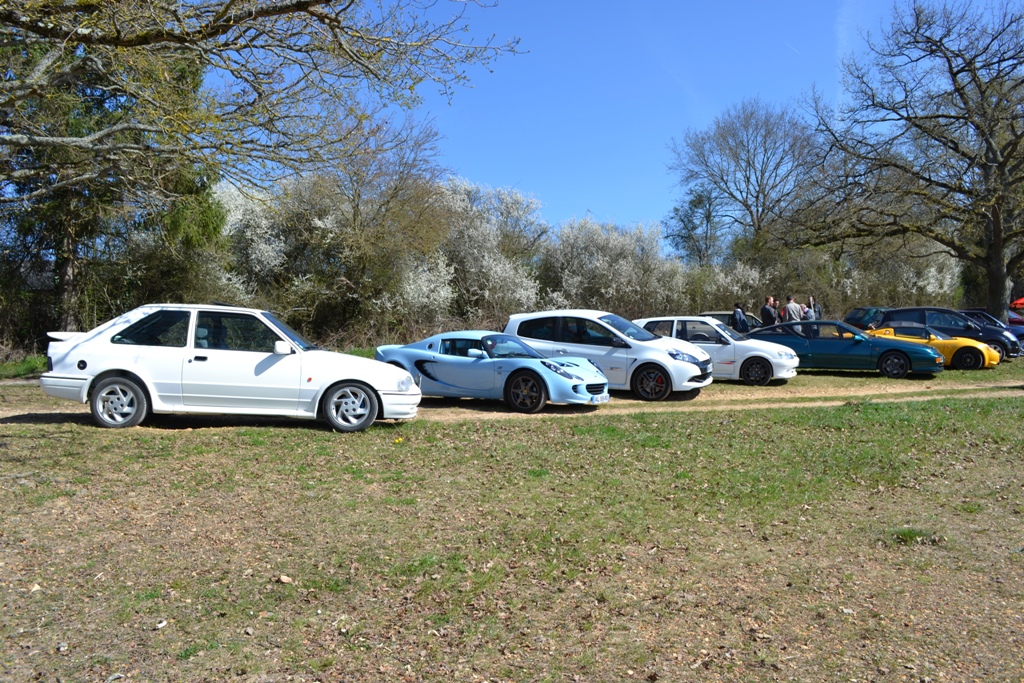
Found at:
[1009, 335]
[676, 354]
[560, 371]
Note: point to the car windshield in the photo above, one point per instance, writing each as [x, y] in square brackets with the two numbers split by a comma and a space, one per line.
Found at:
[627, 328]
[727, 331]
[283, 328]
[506, 346]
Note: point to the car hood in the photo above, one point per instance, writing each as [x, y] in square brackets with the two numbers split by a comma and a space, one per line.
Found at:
[666, 344]
[373, 372]
[750, 344]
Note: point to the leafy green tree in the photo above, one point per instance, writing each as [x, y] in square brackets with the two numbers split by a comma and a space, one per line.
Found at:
[929, 139]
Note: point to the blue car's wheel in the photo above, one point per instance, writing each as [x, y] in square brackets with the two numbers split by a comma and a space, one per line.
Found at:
[894, 365]
[525, 392]
[651, 383]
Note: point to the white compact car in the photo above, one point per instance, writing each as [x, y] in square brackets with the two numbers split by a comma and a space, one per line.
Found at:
[736, 356]
[179, 358]
[632, 358]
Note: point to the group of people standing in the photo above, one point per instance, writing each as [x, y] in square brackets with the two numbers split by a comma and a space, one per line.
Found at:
[774, 312]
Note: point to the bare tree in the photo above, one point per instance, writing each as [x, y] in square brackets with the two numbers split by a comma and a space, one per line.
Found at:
[696, 229]
[258, 89]
[929, 141]
[755, 155]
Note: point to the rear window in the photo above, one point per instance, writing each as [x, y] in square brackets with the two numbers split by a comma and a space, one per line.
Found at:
[538, 328]
[163, 328]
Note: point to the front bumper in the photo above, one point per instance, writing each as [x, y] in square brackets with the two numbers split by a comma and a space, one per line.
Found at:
[404, 406]
[687, 376]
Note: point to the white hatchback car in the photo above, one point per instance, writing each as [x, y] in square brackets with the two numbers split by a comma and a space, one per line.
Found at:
[736, 357]
[630, 357]
[179, 358]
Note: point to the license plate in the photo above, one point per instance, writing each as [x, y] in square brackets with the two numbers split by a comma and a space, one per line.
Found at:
[600, 398]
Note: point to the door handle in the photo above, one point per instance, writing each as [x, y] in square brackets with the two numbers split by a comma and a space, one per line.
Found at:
[200, 357]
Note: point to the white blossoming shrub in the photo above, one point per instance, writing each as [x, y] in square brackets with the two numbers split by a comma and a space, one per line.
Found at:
[256, 243]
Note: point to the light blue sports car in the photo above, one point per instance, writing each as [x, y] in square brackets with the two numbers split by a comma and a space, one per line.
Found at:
[480, 364]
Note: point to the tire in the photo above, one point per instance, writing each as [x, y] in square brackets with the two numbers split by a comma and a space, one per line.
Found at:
[968, 359]
[525, 392]
[350, 406]
[118, 402]
[651, 383]
[894, 365]
[756, 372]
[1000, 349]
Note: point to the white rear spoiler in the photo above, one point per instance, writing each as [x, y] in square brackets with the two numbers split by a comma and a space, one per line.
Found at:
[62, 336]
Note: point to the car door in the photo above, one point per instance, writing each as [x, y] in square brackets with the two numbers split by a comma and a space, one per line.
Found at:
[460, 368]
[159, 342]
[590, 339]
[707, 337]
[232, 365]
[832, 346]
[953, 324]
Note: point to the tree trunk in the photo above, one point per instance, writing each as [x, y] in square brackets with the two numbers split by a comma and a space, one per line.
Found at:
[67, 266]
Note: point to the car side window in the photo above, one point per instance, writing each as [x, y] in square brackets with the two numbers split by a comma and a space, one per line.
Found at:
[660, 327]
[830, 332]
[944, 319]
[163, 328]
[538, 328]
[234, 332]
[459, 347]
[700, 332]
[907, 316]
[583, 331]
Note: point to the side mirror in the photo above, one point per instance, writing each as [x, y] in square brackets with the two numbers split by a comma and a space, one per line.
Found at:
[475, 353]
[859, 338]
[282, 348]
[619, 343]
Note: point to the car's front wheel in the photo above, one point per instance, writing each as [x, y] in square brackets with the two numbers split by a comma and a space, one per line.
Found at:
[118, 402]
[350, 406]
[525, 392]
[894, 365]
[756, 372]
[651, 383]
[968, 359]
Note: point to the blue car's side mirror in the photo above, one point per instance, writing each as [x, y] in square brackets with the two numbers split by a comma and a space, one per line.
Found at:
[475, 353]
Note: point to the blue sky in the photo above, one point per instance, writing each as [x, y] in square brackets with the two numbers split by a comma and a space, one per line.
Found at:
[582, 121]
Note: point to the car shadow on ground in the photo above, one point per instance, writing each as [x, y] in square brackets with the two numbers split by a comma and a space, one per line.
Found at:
[922, 376]
[477, 405]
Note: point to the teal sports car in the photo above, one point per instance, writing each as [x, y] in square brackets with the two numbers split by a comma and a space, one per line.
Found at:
[481, 364]
[830, 344]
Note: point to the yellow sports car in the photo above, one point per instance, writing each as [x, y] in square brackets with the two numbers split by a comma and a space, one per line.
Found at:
[959, 352]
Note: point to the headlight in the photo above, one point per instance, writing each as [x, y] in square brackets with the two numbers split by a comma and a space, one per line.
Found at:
[786, 355]
[559, 370]
[405, 383]
[676, 354]
[1009, 335]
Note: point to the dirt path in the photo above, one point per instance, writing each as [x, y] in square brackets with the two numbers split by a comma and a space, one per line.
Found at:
[729, 397]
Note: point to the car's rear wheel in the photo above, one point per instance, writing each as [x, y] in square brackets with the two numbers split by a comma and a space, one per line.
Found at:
[968, 359]
[756, 372]
[118, 402]
[350, 406]
[525, 392]
[894, 365]
[651, 383]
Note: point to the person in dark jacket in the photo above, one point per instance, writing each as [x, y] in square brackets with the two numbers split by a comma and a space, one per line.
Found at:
[768, 314]
[738, 320]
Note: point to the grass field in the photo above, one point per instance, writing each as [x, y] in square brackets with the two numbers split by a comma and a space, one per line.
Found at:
[862, 541]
